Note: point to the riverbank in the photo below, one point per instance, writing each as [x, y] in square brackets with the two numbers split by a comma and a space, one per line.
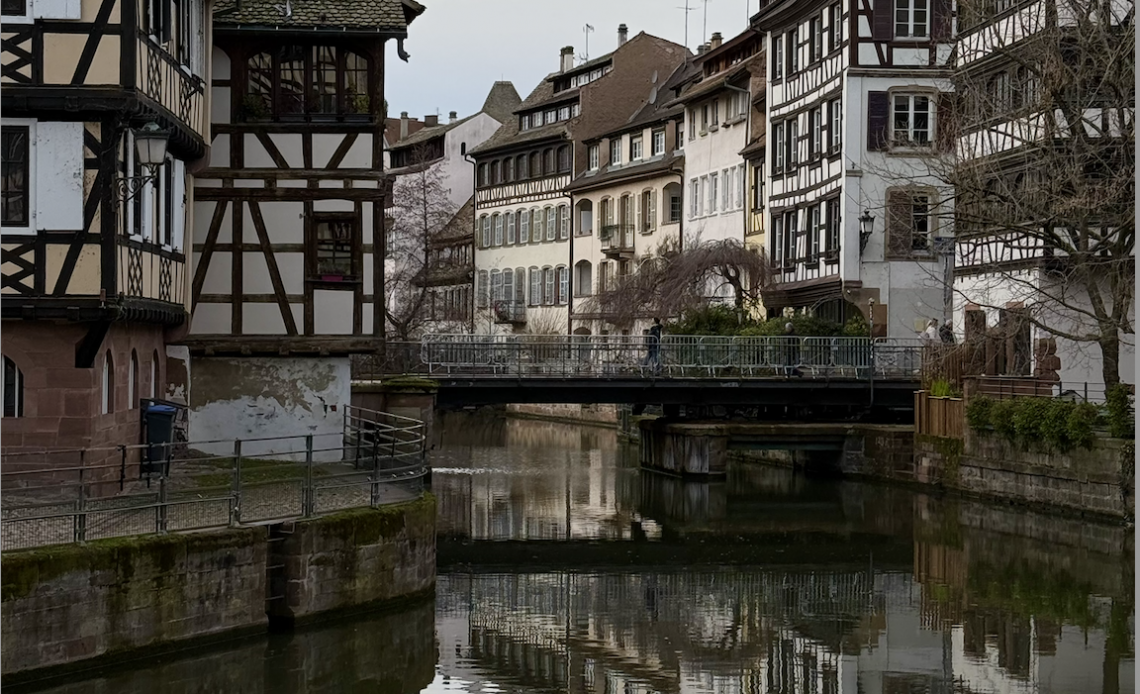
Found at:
[85, 605]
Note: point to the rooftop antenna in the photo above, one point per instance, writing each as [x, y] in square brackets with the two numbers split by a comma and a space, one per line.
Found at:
[687, 10]
[588, 29]
[705, 26]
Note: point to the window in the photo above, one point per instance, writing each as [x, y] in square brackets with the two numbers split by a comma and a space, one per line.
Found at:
[909, 222]
[108, 386]
[833, 226]
[14, 8]
[547, 162]
[726, 189]
[835, 127]
[674, 206]
[593, 156]
[563, 222]
[535, 165]
[302, 81]
[508, 286]
[335, 246]
[13, 387]
[485, 223]
[793, 52]
[523, 225]
[777, 240]
[524, 122]
[563, 284]
[509, 171]
[482, 174]
[704, 119]
[548, 284]
[777, 57]
[550, 222]
[496, 172]
[16, 172]
[192, 35]
[910, 18]
[835, 31]
[496, 287]
[583, 278]
[816, 230]
[648, 211]
[481, 290]
[497, 222]
[694, 195]
[510, 228]
[712, 193]
[564, 113]
[793, 143]
[564, 159]
[715, 113]
[615, 152]
[757, 188]
[575, 110]
[791, 229]
[635, 148]
[523, 169]
[701, 198]
[658, 142]
[781, 149]
[535, 286]
[999, 91]
[815, 38]
[815, 118]
[133, 382]
[692, 124]
[740, 183]
[913, 122]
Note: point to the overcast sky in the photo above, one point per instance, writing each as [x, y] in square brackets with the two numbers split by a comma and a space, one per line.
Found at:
[460, 47]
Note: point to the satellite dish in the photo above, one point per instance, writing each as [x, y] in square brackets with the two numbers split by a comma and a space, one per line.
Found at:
[653, 95]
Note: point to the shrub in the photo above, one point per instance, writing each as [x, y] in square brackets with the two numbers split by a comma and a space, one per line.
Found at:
[856, 326]
[1051, 423]
[1119, 411]
[1027, 418]
[978, 412]
[1002, 418]
[709, 320]
[1082, 418]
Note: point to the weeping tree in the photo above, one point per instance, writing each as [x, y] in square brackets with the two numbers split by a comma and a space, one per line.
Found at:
[1042, 171]
[672, 280]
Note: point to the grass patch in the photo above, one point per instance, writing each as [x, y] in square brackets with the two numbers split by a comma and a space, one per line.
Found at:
[254, 470]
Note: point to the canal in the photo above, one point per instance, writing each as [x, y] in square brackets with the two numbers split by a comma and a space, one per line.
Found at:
[563, 569]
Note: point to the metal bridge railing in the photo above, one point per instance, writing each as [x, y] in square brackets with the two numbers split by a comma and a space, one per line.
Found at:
[675, 356]
[64, 496]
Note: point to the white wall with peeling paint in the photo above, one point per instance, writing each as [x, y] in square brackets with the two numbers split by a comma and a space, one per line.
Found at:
[259, 397]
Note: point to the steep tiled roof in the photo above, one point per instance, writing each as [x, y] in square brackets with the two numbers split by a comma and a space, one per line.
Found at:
[392, 129]
[501, 101]
[426, 133]
[509, 133]
[711, 83]
[373, 15]
[610, 175]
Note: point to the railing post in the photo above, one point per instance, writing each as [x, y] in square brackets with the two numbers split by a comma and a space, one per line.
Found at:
[235, 487]
[161, 525]
[122, 467]
[374, 486]
[308, 496]
[81, 510]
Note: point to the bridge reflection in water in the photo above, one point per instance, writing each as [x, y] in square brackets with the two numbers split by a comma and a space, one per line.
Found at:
[562, 569]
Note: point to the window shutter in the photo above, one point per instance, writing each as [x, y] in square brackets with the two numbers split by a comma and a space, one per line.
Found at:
[883, 25]
[898, 224]
[165, 20]
[636, 216]
[59, 175]
[481, 290]
[178, 214]
[944, 123]
[878, 120]
[55, 9]
[941, 15]
[653, 209]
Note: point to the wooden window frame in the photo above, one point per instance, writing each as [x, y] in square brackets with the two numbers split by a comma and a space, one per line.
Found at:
[592, 154]
[13, 384]
[615, 151]
[793, 51]
[27, 170]
[274, 111]
[636, 148]
[932, 102]
[10, 15]
[658, 135]
[910, 23]
[833, 240]
[312, 251]
[835, 31]
[777, 56]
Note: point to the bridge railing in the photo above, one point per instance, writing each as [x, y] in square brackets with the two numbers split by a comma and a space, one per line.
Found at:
[674, 356]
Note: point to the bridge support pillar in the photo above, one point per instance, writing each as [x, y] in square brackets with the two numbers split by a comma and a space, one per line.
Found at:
[403, 397]
[690, 450]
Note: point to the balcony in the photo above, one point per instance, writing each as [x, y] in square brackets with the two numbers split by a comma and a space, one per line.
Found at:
[617, 241]
[513, 312]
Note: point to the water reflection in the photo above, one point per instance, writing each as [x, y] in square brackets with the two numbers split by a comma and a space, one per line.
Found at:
[564, 570]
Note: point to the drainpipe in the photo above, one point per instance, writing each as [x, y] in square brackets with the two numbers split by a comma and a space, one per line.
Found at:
[474, 216]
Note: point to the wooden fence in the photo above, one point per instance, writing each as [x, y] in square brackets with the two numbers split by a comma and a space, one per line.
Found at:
[939, 416]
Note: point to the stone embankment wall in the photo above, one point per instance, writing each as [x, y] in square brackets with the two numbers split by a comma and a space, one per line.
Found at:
[602, 415]
[102, 601]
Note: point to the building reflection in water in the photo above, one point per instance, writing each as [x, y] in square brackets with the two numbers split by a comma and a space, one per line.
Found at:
[927, 596]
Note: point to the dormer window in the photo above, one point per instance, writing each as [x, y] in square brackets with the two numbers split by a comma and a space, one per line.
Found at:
[615, 152]
[300, 82]
[593, 157]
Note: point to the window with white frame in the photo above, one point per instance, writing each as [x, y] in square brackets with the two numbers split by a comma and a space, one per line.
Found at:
[741, 183]
[835, 31]
[548, 283]
[680, 135]
[563, 222]
[675, 205]
[635, 150]
[593, 155]
[835, 127]
[486, 223]
[777, 57]
[726, 190]
[701, 198]
[793, 52]
[911, 18]
[648, 211]
[551, 116]
[791, 231]
[912, 122]
[694, 195]
[716, 112]
[658, 142]
[564, 113]
[833, 225]
[498, 222]
[777, 248]
[793, 143]
[781, 147]
[712, 192]
[692, 124]
[524, 226]
[815, 38]
[563, 285]
[615, 152]
[816, 117]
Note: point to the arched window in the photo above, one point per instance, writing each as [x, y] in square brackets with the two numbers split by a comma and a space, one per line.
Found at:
[133, 382]
[154, 375]
[13, 389]
[583, 278]
[564, 159]
[509, 170]
[108, 389]
[585, 217]
[547, 161]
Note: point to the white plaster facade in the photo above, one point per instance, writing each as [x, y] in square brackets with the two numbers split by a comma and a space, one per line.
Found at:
[716, 179]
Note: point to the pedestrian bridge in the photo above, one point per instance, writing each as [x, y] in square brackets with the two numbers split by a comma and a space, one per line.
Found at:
[815, 372]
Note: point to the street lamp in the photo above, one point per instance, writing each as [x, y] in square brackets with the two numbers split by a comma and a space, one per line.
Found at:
[866, 226]
[150, 153]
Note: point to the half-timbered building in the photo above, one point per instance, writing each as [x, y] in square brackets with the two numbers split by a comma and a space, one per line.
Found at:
[853, 101]
[1044, 249]
[523, 221]
[94, 243]
[288, 278]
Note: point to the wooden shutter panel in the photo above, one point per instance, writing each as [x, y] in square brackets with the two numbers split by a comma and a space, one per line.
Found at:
[878, 120]
[883, 22]
[166, 22]
[899, 223]
[941, 14]
[653, 210]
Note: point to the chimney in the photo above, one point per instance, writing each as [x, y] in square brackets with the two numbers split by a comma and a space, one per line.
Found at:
[452, 117]
[623, 35]
[715, 41]
[403, 124]
[431, 121]
[702, 49]
[567, 59]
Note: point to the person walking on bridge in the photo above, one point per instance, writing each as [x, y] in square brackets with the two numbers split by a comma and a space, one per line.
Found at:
[653, 358]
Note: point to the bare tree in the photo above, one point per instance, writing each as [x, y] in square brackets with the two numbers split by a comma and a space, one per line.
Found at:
[421, 212]
[671, 281]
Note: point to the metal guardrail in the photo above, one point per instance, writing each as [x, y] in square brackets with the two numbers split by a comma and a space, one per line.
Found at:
[675, 356]
[64, 496]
